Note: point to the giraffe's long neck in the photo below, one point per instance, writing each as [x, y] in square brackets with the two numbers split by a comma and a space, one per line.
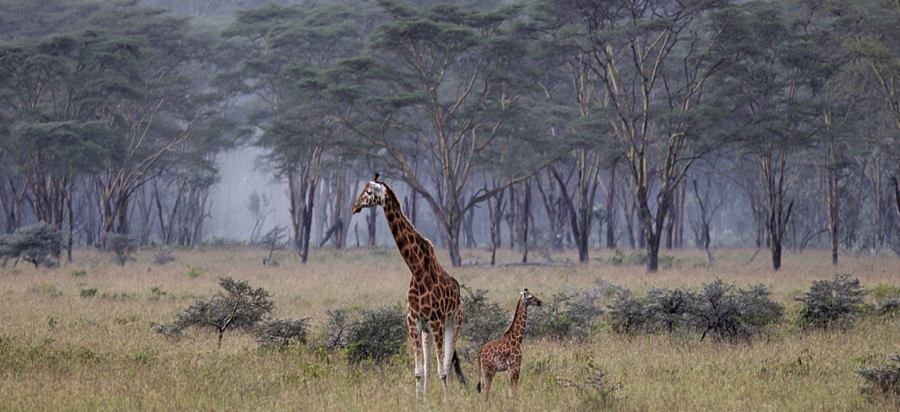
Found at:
[517, 328]
[405, 234]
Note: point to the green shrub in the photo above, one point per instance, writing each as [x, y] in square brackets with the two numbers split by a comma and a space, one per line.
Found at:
[888, 306]
[718, 310]
[830, 302]
[727, 315]
[377, 335]
[483, 321]
[88, 293]
[883, 378]
[636, 257]
[626, 313]
[78, 273]
[163, 256]
[278, 333]
[668, 310]
[121, 246]
[194, 272]
[40, 244]
[240, 308]
[337, 325]
[568, 315]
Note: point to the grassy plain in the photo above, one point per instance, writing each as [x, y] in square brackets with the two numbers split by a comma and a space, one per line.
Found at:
[82, 337]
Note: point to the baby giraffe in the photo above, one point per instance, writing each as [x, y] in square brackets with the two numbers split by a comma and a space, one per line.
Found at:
[506, 353]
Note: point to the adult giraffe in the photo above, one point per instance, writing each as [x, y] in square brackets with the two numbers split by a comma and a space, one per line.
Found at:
[434, 307]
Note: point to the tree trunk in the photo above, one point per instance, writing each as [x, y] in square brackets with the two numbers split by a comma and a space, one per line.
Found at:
[526, 219]
[611, 209]
[370, 226]
[307, 220]
[831, 174]
[495, 213]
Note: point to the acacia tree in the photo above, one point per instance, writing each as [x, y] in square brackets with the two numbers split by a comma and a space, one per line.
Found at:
[774, 92]
[157, 108]
[644, 64]
[281, 43]
[870, 35]
[429, 93]
[52, 128]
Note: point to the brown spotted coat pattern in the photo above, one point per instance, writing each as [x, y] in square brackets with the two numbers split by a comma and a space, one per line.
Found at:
[506, 353]
[434, 307]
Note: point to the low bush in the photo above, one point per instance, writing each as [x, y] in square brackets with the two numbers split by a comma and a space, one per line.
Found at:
[567, 315]
[668, 310]
[278, 333]
[883, 378]
[626, 313]
[121, 246]
[483, 321]
[163, 256]
[377, 334]
[724, 314]
[830, 303]
[241, 307]
[718, 310]
[39, 244]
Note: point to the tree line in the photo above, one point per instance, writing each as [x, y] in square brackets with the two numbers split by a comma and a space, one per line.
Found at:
[644, 122]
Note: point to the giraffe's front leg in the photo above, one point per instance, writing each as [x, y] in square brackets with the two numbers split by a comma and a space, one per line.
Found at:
[415, 334]
[514, 368]
[442, 361]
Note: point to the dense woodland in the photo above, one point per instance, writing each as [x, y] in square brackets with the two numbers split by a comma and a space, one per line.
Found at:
[555, 123]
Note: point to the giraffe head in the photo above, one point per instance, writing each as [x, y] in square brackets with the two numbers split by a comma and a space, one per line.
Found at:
[529, 299]
[372, 195]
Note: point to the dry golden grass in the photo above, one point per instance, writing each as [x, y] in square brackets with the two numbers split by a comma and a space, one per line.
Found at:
[60, 350]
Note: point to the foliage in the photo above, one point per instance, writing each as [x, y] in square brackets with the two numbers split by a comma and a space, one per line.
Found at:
[830, 302]
[273, 240]
[278, 333]
[377, 334]
[718, 310]
[163, 256]
[593, 388]
[668, 309]
[121, 246]
[337, 325]
[241, 307]
[568, 315]
[626, 312]
[884, 378]
[726, 315]
[40, 244]
[483, 321]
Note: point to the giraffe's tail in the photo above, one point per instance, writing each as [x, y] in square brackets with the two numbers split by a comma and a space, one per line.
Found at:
[458, 369]
[478, 386]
